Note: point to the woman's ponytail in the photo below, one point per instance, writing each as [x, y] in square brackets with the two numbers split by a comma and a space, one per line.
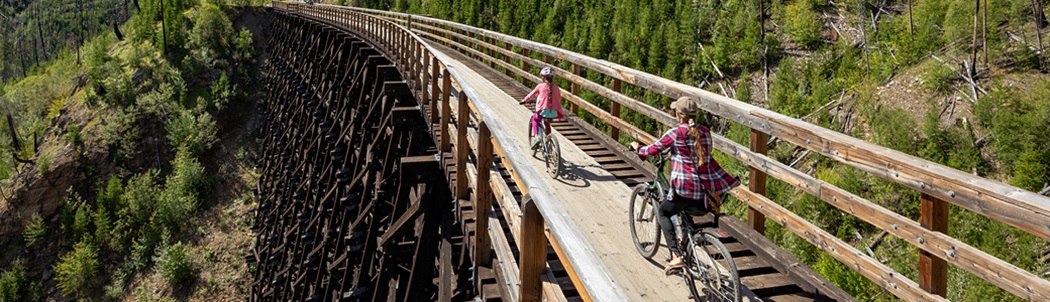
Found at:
[698, 146]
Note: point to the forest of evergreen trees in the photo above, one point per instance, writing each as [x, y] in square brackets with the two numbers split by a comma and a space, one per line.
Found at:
[34, 32]
[982, 86]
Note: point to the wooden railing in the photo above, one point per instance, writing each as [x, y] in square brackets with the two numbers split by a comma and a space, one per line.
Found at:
[939, 185]
[539, 219]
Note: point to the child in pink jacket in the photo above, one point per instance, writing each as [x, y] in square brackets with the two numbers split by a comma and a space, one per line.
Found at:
[548, 103]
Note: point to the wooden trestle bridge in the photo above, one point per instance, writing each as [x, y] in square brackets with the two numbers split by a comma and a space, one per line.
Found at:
[396, 169]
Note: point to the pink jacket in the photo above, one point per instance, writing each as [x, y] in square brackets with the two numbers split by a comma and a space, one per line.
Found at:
[547, 99]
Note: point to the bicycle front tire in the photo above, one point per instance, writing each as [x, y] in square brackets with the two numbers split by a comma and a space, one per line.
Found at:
[552, 156]
[642, 217]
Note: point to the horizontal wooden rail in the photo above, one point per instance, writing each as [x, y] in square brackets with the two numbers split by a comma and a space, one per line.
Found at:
[395, 41]
[1022, 209]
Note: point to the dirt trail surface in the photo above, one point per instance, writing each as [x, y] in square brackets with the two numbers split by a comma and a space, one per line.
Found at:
[597, 200]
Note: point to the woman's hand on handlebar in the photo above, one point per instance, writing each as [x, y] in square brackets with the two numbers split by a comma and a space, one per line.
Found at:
[635, 146]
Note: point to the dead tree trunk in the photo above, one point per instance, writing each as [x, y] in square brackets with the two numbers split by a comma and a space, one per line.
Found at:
[911, 23]
[973, 51]
[1037, 12]
[984, 32]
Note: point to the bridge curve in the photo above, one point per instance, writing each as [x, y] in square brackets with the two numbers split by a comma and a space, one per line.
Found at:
[429, 51]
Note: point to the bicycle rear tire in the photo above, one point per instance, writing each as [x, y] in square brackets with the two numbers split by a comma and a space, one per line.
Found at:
[640, 208]
[717, 271]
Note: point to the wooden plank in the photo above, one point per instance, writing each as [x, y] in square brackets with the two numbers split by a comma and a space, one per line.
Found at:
[933, 271]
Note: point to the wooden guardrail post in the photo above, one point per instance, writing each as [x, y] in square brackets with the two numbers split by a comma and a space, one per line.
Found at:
[533, 252]
[462, 148]
[446, 115]
[525, 67]
[435, 68]
[614, 109]
[933, 271]
[575, 90]
[757, 182]
[507, 71]
[492, 53]
[482, 197]
[423, 95]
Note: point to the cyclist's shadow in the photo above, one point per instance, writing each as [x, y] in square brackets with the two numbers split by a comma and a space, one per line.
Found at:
[581, 176]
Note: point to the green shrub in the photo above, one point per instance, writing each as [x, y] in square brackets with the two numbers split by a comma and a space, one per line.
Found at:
[120, 132]
[77, 271]
[73, 135]
[221, 92]
[245, 48]
[211, 29]
[802, 24]
[175, 264]
[35, 230]
[109, 195]
[181, 196]
[938, 77]
[193, 132]
[82, 221]
[103, 222]
[15, 285]
[43, 164]
[140, 195]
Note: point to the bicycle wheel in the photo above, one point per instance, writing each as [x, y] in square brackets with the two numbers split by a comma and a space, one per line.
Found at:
[644, 229]
[715, 268]
[552, 156]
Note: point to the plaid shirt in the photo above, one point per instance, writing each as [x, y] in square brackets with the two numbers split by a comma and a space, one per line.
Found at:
[688, 180]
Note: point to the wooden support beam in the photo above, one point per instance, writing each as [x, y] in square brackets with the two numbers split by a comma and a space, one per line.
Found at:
[933, 271]
[482, 195]
[757, 182]
[445, 286]
[533, 252]
[419, 206]
[422, 274]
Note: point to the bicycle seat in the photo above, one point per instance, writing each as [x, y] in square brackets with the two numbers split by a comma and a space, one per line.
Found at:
[695, 211]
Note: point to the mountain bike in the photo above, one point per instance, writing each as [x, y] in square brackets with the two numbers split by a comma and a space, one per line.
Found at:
[549, 147]
[705, 259]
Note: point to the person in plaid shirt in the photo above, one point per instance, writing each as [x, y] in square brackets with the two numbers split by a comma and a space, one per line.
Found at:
[693, 171]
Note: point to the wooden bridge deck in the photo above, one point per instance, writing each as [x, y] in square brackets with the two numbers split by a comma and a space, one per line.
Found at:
[594, 198]
[597, 200]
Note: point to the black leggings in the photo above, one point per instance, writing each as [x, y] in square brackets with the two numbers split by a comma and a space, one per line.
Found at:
[670, 208]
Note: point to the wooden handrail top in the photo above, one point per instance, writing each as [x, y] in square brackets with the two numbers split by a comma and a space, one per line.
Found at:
[599, 282]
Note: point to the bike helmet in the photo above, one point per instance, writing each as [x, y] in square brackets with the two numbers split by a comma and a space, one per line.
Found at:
[547, 72]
